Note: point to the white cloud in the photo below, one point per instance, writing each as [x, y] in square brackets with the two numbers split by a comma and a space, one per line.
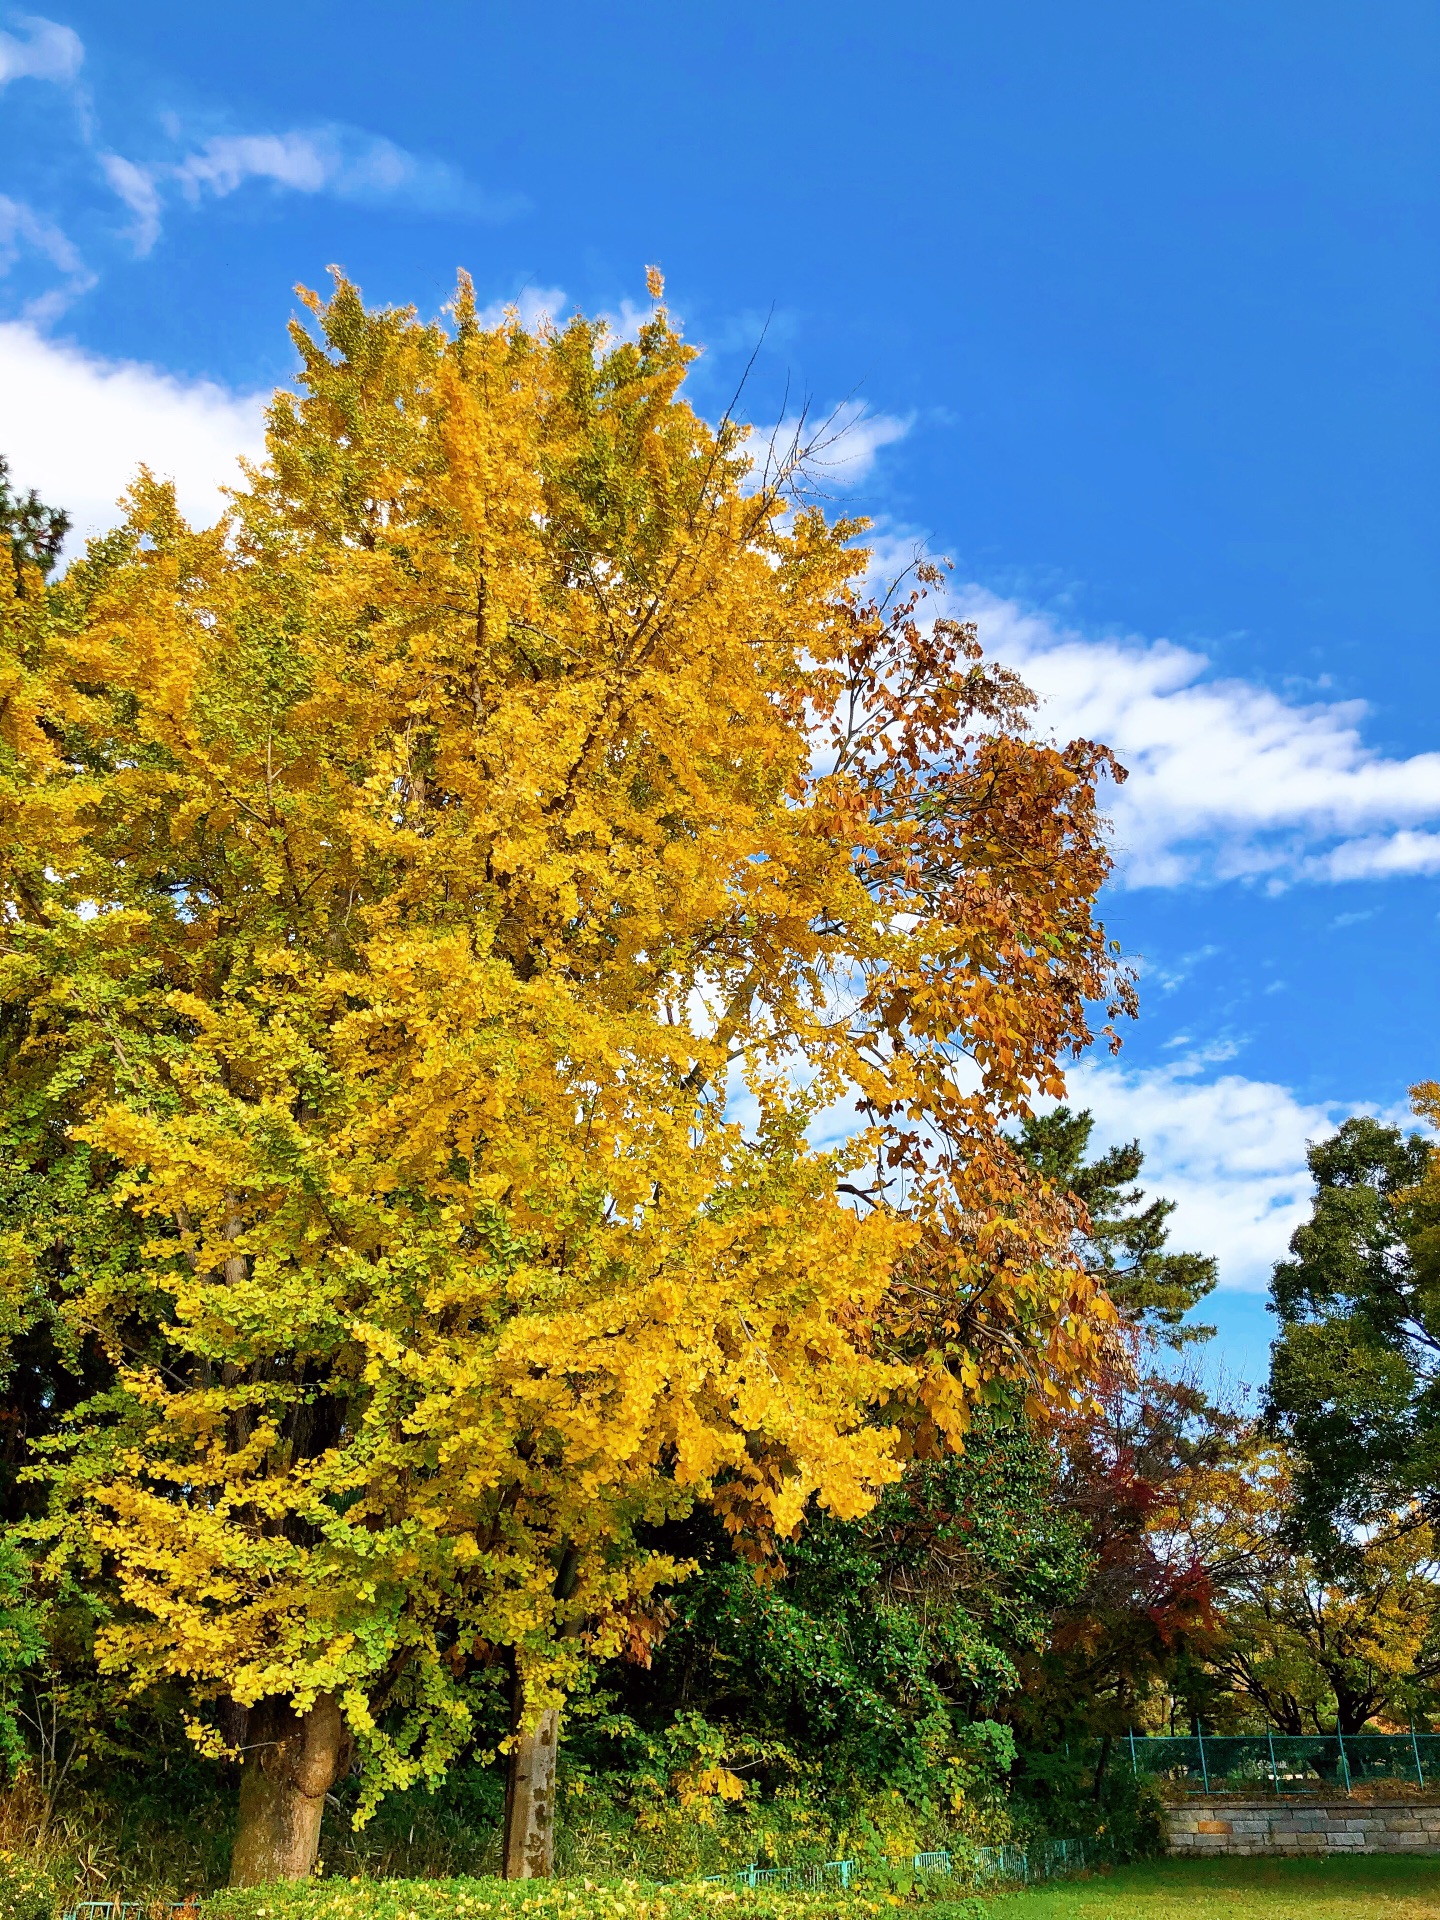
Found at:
[1227, 779]
[22, 231]
[48, 51]
[298, 160]
[138, 190]
[340, 161]
[1378, 857]
[858, 437]
[77, 427]
[1230, 1152]
[536, 306]
[842, 445]
[626, 320]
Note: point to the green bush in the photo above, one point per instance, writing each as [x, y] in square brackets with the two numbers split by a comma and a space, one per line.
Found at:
[27, 1892]
[1064, 1797]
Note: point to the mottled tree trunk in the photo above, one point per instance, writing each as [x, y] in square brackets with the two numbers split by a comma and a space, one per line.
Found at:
[291, 1763]
[529, 1841]
[530, 1794]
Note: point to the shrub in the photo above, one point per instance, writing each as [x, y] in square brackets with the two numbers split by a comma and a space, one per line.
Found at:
[1062, 1796]
[27, 1891]
[536, 1900]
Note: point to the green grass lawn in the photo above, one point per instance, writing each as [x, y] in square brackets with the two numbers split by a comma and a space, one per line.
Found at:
[1385, 1885]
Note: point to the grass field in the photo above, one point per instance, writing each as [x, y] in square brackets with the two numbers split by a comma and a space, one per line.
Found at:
[1383, 1885]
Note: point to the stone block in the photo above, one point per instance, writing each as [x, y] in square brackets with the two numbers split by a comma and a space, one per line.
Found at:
[1241, 1827]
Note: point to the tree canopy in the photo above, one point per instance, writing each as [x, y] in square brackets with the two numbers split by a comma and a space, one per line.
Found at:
[1124, 1242]
[437, 902]
[1354, 1382]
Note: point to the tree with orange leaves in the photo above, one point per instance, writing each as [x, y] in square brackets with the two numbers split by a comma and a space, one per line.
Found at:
[438, 900]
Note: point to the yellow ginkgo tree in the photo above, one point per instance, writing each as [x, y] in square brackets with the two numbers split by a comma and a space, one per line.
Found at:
[440, 901]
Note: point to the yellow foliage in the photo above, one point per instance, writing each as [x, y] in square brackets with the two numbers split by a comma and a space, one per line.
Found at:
[442, 901]
[708, 1783]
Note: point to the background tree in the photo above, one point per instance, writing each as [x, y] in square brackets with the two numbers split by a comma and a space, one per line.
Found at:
[44, 1374]
[1136, 1478]
[34, 531]
[397, 878]
[1058, 1576]
[879, 1660]
[1124, 1241]
[1317, 1648]
[1355, 1370]
[1128, 1468]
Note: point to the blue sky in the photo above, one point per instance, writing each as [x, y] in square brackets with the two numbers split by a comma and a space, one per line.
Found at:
[1136, 307]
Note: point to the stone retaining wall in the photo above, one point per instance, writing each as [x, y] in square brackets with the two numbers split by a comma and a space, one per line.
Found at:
[1232, 1826]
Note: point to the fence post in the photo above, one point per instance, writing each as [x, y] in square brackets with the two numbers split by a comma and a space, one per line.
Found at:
[1274, 1771]
[1344, 1758]
[1200, 1736]
[1134, 1770]
[1419, 1770]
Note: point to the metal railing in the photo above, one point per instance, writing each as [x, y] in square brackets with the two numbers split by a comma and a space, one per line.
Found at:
[1042, 1860]
[1286, 1762]
[820, 1874]
[128, 1909]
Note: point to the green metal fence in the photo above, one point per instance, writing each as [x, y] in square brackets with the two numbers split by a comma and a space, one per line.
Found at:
[1284, 1762]
[128, 1909]
[1042, 1860]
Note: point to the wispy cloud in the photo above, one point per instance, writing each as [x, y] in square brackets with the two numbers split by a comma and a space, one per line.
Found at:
[535, 306]
[341, 162]
[23, 231]
[1174, 975]
[842, 445]
[1228, 780]
[136, 186]
[179, 166]
[42, 50]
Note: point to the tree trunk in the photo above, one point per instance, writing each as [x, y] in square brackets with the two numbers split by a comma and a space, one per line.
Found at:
[1352, 1710]
[530, 1794]
[292, 1762]
[529, 1841]
[1098, 1784]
